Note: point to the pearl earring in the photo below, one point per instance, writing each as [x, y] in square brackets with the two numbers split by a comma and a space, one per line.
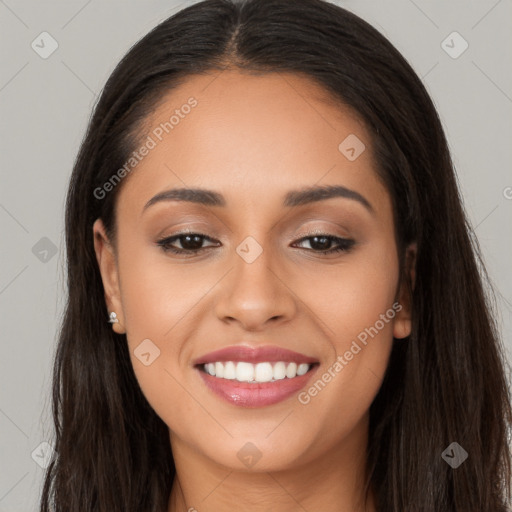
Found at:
[113, 318]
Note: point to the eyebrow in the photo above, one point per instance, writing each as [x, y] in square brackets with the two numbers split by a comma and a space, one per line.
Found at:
[293, 198]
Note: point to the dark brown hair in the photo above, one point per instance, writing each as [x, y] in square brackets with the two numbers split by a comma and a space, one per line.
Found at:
[446, 383]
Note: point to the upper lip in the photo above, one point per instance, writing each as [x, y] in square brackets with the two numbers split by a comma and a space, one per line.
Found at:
[268, 353]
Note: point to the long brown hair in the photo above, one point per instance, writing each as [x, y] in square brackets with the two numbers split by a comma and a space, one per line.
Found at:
[446, 383]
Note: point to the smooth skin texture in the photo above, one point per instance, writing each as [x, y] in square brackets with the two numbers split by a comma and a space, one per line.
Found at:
[253, 139]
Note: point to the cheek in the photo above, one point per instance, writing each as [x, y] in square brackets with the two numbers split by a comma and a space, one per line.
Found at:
[349, 298]
[161, 302]
[359, 310]
[157, 295]
[157, 308]
[364, 314]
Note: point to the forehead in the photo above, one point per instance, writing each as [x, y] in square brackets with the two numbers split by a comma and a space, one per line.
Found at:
[245, 113]
[253, 135]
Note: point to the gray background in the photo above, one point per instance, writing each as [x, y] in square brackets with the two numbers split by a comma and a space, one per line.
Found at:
[45, 105]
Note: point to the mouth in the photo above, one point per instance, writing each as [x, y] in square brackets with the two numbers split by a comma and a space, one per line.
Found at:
[250, 377]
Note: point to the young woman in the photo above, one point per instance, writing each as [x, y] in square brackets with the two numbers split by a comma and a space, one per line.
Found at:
[274, 295]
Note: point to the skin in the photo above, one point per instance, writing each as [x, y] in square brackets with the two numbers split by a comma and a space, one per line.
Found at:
[253, 139]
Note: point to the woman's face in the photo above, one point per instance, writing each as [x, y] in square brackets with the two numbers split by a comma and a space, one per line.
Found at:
[259, 278]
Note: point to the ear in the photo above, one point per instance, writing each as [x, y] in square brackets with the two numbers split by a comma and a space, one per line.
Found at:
[403, 323]
[107, 264]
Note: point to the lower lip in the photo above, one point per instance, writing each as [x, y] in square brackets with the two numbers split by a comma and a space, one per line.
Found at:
[258, 394]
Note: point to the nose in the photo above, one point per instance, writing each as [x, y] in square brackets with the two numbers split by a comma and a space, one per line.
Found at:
[255, 294]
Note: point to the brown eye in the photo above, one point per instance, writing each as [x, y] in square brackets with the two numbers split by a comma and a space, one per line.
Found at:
[190, 243]
[322, 243]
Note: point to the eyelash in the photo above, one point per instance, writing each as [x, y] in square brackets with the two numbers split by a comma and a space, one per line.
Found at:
[344, 244]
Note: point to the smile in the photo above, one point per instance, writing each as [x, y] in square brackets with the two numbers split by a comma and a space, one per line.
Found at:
[255, 377]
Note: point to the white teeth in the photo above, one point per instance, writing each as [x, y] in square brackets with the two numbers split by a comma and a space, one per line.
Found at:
[244, 372]
[219, 369]
[229, 370]
[279, 371]
[291, 370]
[302, 369]
[263, 372]
[260, 372]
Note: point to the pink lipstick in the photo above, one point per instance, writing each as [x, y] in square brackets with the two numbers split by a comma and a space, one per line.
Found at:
[255, 377]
